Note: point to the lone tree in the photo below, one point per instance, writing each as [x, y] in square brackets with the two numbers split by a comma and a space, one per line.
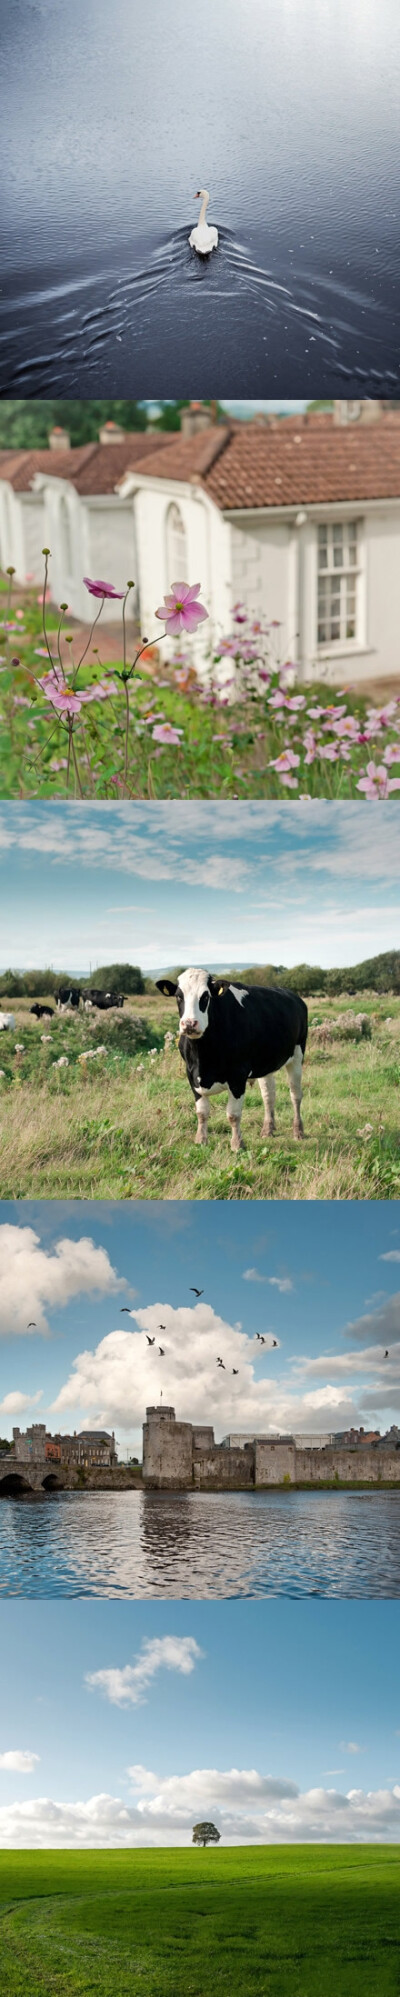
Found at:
[205, 1834]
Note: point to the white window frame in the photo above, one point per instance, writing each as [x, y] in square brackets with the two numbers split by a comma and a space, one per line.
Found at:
[344, 533]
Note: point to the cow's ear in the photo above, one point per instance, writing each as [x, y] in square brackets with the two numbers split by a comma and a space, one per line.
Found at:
[215, 987]
[166, 986]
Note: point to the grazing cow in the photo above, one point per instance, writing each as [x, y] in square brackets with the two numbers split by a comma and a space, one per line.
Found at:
[7, 1019]
[231, 1034]
[68, 995]
[103, 1000]
[43, 1011]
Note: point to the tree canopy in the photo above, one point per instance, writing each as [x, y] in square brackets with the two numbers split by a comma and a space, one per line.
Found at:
[205, 1834]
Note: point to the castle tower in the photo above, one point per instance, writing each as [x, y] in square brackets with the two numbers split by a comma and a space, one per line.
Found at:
[167, 1450]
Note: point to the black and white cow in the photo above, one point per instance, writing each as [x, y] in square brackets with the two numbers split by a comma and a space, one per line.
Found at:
[68, 995]
[42, 1011]
[103, 1000]
[230, 1034]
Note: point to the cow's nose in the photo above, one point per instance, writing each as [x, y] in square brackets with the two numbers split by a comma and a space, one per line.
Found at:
[190, 1025]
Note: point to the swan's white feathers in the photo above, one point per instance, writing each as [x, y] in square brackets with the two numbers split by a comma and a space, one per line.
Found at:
[204, 237]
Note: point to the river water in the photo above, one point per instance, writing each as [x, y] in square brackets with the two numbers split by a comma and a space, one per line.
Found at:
[136, 1544]
[113, 116]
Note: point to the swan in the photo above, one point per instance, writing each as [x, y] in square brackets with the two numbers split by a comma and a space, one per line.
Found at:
[203, 238]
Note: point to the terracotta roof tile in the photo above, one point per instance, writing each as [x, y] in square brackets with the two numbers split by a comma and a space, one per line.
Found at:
[92, 468]
[308, 466]
[189, 457]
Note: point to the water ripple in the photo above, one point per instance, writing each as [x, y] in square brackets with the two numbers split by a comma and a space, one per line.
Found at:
[135, 1544]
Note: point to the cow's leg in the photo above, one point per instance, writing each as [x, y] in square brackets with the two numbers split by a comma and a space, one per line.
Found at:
[267, 1085]
[294, 1071]
[234, 1112]
[202, 1112]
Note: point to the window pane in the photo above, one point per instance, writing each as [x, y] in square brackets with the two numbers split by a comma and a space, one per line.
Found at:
[322, 547]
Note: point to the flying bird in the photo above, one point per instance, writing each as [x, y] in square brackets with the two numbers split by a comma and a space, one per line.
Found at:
[162, 1327]
[161, 1351]
[150, 1341]
[386, 1355]
[31, 1325]
[194, 1292]
[124, 1308]
[235, 1370]
[274, 1341]
[221, 1363]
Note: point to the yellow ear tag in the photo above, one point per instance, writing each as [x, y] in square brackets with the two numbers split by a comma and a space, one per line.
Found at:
[221, 991]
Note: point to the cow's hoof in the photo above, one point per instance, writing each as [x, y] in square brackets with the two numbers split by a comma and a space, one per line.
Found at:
[237, 1143]
[298, 1132]
[268, 1130]
[201, 1134]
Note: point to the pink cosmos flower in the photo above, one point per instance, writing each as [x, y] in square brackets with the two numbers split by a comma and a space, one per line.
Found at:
[283, 765]
[102, 588]
[277, 699]
[392, 753]
[380, 717]
[64, 698]
[376, 782]
[99, 690]
[167, 735]
[330, 752]
[347, 727]
[180, 611]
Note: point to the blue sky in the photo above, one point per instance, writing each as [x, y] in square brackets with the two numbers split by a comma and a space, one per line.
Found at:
[281, 1720]
[223, 884]
[322, 1278]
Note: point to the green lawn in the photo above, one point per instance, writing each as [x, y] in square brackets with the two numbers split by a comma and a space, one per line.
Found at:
[302, 1921]
[125, 1126]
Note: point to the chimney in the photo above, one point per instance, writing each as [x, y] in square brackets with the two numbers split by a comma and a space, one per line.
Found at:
[111, 433]
[364, 411]
[195, 419]
[59, 439]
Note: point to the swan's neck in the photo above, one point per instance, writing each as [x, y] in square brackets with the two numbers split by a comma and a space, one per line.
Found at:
[203, 210]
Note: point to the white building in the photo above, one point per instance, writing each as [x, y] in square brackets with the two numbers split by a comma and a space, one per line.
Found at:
[297, 517]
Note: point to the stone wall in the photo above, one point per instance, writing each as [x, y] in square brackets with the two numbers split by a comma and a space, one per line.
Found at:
[222, 1469]
[275, 1462]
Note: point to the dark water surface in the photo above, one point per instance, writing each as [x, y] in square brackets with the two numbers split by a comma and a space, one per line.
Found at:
[114, 113]
[203, 1545]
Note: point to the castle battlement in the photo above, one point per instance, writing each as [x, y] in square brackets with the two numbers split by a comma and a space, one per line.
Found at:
[182, 1456]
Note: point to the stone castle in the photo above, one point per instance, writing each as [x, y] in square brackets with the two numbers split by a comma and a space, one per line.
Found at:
[179, 1456]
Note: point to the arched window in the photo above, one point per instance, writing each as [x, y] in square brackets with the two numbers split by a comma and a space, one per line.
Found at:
[65, 540]
[177, 570]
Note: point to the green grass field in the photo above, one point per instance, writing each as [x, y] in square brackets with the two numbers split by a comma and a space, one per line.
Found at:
[124, 1126]
[275, 1921]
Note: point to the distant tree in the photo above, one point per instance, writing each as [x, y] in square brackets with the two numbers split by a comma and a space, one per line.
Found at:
[5, 1446]
[205, 1834]
[125, 978]
[26, 425]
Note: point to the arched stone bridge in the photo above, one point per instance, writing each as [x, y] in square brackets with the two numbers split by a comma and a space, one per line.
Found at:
[17, 1477]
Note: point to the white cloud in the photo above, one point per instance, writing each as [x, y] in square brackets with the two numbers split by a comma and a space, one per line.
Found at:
[378, 1327]
[15, 1403]
[392, 1255]
[253, 1276]
[124, 1375]
[282, 1283]
[351, 1747]
[245, 1805]
[127, 1686]
[19, 1760]
[33, 1278]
